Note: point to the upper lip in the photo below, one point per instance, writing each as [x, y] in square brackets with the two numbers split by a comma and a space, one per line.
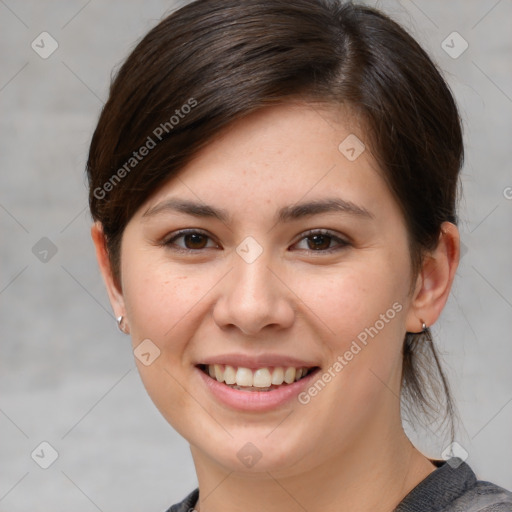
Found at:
[259, 361]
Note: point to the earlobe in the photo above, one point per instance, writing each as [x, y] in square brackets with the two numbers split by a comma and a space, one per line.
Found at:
[435, 280]
[114, 292]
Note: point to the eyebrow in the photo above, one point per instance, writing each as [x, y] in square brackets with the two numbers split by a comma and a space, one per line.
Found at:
[285, 214]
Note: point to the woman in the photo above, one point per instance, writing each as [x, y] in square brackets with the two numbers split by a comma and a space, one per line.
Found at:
[274, 191]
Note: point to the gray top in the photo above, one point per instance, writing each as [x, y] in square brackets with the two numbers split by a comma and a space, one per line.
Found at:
[452, 487]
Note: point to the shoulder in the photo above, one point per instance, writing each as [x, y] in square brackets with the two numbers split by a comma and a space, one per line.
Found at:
[454, 487]
[188, 504]
[450, 488]
[484, 497]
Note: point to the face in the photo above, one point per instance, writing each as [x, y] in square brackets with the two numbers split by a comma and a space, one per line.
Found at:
[293, 257]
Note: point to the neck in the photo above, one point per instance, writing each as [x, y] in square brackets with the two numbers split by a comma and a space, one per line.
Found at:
[370, 476]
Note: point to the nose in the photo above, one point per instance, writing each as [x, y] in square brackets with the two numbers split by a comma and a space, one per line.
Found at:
[254, 297]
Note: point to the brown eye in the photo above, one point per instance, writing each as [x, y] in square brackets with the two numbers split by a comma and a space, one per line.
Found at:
[320, 241]
[193, 240]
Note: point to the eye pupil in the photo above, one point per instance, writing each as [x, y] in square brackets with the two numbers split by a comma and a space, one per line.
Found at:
[317, 241]
[196, 240]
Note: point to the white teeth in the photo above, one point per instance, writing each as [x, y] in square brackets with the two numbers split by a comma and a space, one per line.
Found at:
[243, 377]
[229, 375]
[289, 375]
[278, 376]
[260, 378]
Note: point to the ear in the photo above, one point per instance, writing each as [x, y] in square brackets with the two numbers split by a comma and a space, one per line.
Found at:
[435, 280]
[113, 289]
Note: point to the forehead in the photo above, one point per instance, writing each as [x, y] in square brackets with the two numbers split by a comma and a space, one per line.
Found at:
[279, 134]
[279, 156]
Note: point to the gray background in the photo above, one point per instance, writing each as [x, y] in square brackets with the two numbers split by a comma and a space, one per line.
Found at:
[67, 375]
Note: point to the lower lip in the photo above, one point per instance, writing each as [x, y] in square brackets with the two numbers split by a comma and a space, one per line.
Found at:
[255, 400]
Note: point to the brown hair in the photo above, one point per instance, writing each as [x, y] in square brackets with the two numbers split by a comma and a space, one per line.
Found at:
[215, 61]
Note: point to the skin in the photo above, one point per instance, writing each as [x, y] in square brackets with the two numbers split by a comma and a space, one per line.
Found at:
[345, 449]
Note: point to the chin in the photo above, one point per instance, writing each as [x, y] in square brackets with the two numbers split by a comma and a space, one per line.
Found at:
[258, 451]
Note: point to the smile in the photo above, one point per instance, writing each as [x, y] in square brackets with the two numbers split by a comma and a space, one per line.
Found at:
[260, 379]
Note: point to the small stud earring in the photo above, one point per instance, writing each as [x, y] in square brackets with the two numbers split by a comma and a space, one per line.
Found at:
[424, 328]
[120, 324]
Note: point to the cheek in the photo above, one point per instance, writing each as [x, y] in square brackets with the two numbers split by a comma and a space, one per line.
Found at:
[161, 303]
[362, 312]
[158, 300]
[347, 301]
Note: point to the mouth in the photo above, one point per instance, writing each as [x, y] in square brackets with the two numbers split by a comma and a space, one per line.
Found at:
[256, 379]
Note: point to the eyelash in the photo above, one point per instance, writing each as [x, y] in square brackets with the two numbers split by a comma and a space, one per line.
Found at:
[168, 242]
